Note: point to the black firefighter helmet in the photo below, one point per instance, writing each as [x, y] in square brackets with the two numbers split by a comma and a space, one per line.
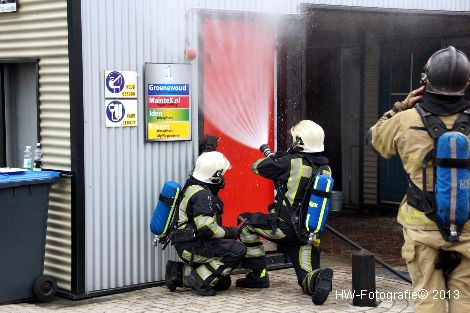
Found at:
[447, 72]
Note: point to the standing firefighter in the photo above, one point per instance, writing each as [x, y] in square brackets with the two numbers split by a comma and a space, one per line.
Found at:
[291, 171]
[209, 250]
[431, 140]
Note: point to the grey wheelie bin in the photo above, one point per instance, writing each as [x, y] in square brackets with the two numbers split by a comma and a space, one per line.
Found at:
[24, 198]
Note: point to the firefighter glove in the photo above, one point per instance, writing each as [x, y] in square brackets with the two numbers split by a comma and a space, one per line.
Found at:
[232, 232]
[210, 144]
[412, 98]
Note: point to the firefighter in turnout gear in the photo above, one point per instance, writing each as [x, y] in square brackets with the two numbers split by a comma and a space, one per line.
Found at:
[436, 264]
[209, 250]
[290, 172]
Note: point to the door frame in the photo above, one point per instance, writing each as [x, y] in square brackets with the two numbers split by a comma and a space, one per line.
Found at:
[3, 63]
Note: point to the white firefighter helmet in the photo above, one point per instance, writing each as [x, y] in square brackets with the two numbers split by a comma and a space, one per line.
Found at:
[308, 136]
[211, 167]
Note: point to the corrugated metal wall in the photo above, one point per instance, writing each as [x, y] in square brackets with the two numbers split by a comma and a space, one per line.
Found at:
[58, 262]
[371, 98]
[39, 31]
[123, 174]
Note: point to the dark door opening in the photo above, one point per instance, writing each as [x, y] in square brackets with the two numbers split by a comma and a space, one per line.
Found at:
[355, 70]
[401, 67]
[324, 101]
[19, 118]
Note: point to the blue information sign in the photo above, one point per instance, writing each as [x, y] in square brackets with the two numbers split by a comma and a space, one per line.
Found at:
[168, 89]
[115, 82]
[115, 111]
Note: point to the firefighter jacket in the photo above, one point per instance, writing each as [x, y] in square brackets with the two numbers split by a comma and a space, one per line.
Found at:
[201, 209]
[290, 173]
[403, 133]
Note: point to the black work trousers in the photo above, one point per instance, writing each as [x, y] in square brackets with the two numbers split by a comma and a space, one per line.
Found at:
[304, 258]
[211, 258]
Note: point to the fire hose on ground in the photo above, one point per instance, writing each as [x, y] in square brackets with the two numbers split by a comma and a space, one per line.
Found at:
[357, 246]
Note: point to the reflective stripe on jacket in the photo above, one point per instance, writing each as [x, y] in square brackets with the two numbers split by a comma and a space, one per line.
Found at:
[200, 206]
[290, 171]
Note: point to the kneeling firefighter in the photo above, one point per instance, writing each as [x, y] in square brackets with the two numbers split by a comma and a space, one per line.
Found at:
[291, 171]
[210, 251]
[431, 139]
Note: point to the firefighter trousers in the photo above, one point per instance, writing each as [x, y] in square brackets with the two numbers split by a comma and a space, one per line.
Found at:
[420, 251]
[211, 259]
[304, 258]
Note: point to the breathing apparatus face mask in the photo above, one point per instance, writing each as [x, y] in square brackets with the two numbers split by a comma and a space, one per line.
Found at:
[216, 182]
[218, 178]
[296, 145]
[298, 141]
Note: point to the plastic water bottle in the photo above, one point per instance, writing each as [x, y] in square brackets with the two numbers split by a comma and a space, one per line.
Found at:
[27, 162]
[37, 162]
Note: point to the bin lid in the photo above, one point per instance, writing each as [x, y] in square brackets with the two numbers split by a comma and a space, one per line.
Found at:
[15, 179]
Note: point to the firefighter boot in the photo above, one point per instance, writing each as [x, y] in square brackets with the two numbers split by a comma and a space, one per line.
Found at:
[195, 282]
[174, 275]
[254, 279]
[322, 285]
[224, 283]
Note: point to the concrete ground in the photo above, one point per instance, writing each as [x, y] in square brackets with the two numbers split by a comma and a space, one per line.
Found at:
[283, 296]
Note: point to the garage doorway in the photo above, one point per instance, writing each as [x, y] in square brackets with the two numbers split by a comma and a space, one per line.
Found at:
[359, 61]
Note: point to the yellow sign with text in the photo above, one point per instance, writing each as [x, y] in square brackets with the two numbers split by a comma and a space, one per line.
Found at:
[169, 130]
